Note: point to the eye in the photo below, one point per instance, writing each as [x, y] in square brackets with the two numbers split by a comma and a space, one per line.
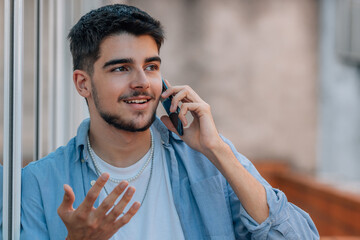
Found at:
[120, 69]
[152, 67]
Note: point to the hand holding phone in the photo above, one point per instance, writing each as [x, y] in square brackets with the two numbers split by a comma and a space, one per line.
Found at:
[174, 116]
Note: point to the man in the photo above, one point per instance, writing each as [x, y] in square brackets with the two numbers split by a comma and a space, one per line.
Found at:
[194, 186]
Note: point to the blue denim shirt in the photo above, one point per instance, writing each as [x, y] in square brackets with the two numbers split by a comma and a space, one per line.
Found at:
[207, 206]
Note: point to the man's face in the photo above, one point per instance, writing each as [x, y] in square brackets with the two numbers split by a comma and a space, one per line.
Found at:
[126, 82]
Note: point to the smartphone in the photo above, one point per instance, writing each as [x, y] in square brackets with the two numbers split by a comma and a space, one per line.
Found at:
[174, 116]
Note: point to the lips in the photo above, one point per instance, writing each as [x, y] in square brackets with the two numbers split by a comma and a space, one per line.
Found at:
[137, 103]
[137, 100]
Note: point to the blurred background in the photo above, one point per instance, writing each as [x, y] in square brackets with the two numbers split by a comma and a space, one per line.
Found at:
[282, 78]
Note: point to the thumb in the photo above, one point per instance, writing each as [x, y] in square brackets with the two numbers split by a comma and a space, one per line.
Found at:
[68, 200]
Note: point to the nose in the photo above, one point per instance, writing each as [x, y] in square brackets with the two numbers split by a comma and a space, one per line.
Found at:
[140, 81]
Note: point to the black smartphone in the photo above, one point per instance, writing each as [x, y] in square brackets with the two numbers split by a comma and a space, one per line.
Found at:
[174, 116]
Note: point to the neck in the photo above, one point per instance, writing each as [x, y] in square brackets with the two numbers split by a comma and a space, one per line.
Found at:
[117, 147]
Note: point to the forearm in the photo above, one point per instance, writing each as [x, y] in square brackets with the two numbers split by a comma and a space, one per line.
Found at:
[248, 189]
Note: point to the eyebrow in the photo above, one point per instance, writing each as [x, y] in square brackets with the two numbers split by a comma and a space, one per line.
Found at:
[118, 61]
[130, 60]
[153, 59]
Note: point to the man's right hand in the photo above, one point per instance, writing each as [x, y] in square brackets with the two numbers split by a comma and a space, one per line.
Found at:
[87, 222]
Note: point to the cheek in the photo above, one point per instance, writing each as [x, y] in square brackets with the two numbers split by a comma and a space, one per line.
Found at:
[107, 94]
[157, 87]
[158, 92]
[113, 88]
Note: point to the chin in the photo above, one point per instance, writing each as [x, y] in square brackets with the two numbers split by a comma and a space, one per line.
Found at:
[129, 125]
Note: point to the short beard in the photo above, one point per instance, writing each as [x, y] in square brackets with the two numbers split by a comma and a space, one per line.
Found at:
[123, 125]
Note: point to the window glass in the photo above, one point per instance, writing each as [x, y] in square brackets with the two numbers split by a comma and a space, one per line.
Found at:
[28, 83]
[1, 107]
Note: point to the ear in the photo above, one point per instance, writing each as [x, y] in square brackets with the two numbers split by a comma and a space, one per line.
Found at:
[82, 83]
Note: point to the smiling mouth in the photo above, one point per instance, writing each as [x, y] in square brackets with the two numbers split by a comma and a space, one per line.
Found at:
[142, 101]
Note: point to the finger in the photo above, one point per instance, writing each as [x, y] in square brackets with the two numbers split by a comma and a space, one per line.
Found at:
[110, 200]
[167, 122]
[170, 91]
[128, 215]
[183, 111]
[94, 192]
[119, 208]
[167, 92]
[68, 200]
[180, 96]
[186, 94]
[199, 109]
[167, 83]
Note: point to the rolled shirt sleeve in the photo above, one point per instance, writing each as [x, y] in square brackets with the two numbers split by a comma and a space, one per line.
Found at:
[285, 221]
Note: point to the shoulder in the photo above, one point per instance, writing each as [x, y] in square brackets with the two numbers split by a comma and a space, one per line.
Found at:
[55, 163]
[42, 180]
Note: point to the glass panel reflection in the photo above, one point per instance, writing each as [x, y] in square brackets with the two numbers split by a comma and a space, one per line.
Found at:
[1, 109]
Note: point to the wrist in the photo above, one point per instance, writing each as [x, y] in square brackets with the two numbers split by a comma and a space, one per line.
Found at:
[219, 152]
[213, 145]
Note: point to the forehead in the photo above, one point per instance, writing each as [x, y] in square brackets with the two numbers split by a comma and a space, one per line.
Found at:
[126, 45]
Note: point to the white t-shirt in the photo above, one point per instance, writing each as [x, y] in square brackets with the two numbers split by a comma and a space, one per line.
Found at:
[157, 217]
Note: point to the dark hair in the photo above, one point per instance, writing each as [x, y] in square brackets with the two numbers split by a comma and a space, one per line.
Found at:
[88, 33]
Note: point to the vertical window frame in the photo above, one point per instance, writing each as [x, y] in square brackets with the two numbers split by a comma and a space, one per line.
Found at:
[13, 79]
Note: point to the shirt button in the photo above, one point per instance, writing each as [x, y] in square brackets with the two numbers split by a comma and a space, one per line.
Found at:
[82, 160]
[92, 183]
